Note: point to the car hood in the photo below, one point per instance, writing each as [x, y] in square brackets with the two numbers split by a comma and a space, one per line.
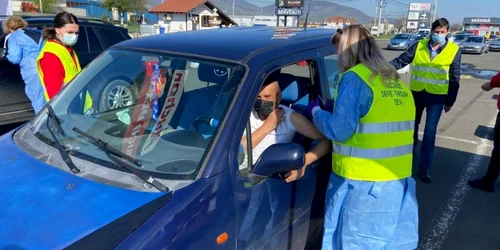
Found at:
[398, 40]
[495, 43]
[47, 208]
[471, 44]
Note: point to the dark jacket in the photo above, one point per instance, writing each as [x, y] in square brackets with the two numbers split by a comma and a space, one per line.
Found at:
[449, 99]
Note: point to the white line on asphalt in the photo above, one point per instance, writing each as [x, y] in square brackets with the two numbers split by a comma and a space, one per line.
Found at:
[459, 139]
[491, 101]
[436, 235]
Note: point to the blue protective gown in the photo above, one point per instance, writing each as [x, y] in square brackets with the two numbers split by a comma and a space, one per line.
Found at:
[23, 50]
[364, 214]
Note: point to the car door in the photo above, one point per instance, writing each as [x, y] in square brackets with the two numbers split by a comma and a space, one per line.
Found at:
[273, 214]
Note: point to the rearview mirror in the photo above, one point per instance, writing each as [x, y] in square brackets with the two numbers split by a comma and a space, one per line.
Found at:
[281, 157]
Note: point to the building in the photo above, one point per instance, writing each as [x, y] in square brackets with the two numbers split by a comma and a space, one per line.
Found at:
[185, 15]
[291, 21]
[480, 25]
[93, 8]
[339, 21]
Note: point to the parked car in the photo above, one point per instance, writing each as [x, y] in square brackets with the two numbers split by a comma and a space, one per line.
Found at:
[475, 44]
[495, 45]
[401, 41]
[169, 171]
[95, 36]
[459, 38]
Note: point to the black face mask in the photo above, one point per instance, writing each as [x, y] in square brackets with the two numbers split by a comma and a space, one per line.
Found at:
[263, 108]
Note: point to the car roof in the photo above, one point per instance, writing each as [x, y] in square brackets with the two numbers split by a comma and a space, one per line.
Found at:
[50, 18]
[236, 43]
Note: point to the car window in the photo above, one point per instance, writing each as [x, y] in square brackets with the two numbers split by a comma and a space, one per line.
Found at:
[94, 42]
[294, 81]
[111, 36]
[401, 36]
[332, 73]
[474, 40]
[82, 45]
[161, 109]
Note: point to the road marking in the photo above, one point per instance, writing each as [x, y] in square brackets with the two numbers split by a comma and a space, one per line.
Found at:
[491, 101]
[465, 76]
[459, 139]
[436, 235]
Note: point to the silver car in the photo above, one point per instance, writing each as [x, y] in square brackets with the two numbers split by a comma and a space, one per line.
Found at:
[475, 44]
[495, 45]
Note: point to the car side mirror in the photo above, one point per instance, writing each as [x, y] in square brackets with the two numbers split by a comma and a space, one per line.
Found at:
[278, 158]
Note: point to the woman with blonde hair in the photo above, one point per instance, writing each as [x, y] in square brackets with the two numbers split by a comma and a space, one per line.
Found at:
[370, 201]
[22, 47]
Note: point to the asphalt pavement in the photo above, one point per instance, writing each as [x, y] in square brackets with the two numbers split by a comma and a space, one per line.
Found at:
[453, 216]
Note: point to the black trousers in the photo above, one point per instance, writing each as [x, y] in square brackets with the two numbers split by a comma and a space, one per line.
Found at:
[494, 167]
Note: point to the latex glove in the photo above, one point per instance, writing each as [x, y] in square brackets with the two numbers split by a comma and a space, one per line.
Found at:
[313, 106]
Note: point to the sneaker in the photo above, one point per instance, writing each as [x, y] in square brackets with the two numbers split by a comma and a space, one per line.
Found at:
[482, 184]
[424, 175]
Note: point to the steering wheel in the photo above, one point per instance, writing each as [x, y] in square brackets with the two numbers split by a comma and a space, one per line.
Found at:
[204, 120]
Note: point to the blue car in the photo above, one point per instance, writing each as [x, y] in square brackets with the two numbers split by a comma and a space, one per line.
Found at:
[167, 170]
[401, 41]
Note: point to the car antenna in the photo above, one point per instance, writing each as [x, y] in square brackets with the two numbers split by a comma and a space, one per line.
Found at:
[307, 14]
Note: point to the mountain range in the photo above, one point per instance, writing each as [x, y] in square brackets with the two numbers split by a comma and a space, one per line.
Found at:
[320, 9]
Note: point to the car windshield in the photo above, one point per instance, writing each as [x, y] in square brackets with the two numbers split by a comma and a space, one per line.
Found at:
[460, 37]
[401, 36]
[474, 40]
[160, 109]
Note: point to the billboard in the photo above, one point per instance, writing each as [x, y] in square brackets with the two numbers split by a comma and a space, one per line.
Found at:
[289, 3]
[413, 15]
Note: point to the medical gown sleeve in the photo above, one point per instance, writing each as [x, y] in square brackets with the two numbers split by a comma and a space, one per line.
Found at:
[353, 102]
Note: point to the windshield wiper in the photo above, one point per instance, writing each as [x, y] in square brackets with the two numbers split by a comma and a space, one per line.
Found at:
[62, 151]
[57, 122]
[115, 155]
[104, 146]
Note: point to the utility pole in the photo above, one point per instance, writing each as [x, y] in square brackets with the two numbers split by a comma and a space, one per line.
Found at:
[435, 11]
[233, 8]
[41, 8]
[381, 5]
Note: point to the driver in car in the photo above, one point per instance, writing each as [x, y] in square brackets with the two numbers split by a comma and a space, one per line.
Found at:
[273, 123]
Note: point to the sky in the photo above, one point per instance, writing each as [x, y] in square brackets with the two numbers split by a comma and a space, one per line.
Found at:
[453, 10]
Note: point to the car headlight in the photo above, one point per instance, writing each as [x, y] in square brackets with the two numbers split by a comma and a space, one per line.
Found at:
[477, 47]
[402, 44]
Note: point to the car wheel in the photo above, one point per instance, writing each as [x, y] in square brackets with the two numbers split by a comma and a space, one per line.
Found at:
[119, 93]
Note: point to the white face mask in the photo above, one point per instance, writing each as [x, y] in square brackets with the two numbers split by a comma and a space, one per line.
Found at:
[69, 39]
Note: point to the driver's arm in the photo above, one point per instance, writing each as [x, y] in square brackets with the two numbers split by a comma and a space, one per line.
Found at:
[306, 128]
[257, 136]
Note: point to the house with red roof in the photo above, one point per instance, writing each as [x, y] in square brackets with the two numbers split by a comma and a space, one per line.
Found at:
[185, 15]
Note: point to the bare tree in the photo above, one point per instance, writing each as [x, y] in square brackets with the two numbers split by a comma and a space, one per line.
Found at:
[400, 23]
[456, 27]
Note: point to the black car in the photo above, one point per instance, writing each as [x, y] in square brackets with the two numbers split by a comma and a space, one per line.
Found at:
[95, 36]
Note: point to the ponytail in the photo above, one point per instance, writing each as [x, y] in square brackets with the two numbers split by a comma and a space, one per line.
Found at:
[49, 33]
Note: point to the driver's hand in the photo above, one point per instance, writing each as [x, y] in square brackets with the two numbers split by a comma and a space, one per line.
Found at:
[275, 118]
[295, 174]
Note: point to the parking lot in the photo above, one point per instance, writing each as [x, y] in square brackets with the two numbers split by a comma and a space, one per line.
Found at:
[452, 216]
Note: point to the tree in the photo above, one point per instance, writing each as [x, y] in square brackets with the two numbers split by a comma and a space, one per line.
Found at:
[125, 6]
[47, 6]
[400, 23]
[456, 27]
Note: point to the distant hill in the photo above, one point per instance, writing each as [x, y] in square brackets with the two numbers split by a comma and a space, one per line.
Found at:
[320, 9]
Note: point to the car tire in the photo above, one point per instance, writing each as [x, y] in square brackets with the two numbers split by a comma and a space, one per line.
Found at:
[118, 93]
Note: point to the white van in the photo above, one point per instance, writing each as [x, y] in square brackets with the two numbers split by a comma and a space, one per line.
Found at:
[374, 30]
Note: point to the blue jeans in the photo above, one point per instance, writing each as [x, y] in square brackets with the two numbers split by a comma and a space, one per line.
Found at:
[433, 112]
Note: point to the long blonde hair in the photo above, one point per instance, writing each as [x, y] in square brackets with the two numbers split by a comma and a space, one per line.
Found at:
[357, 46]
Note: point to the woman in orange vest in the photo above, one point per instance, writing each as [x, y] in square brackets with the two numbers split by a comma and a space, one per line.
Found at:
[57, 62]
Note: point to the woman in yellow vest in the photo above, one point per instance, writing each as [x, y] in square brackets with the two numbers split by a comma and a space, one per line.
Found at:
[370, 201]
[57, 62]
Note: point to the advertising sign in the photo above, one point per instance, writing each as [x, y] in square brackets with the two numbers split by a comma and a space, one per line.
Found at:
[481, 20]
[425, 7]
[414, 7]
[412, 25]
[289, 3]
[288, 12]
[413, 15]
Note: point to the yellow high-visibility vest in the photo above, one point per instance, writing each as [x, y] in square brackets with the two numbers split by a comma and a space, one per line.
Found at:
[382, 147]
[71, 68]
[432, 75]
